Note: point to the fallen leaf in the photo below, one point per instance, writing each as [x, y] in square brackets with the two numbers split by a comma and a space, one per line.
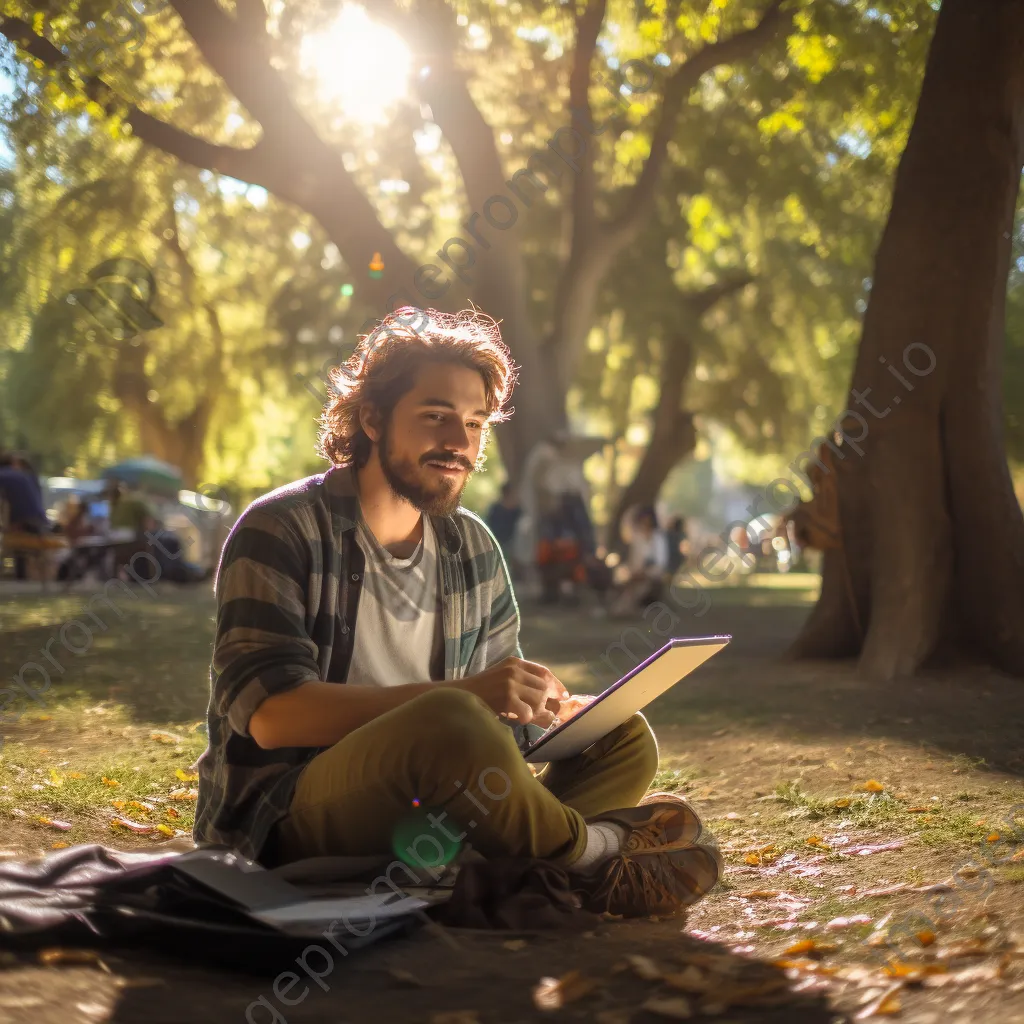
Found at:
[752, 858]
[817, 841]
[59, 846]
[186, 776]
[165, 737]
[119, 805]
[871, 786]
[131, 826]
[172, 813]
[109, 782]
[674, 1007]
[515, 944]
[993, 838]
[644, 967]
[863, 851]
[886, 1004]
[912, 972]
[847, 922]
[810, 946]
[843, 802]
[554, 993]
[165, 829]
[184, 794]
[925, 936]
[918, 810]
[762, 894]
[691, 979]
[56, 779]
[966, 947]
[61, 826]
[805, 965]
[888, 890]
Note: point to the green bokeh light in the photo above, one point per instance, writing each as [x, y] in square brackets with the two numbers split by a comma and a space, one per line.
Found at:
[422, 845]
[347, 290]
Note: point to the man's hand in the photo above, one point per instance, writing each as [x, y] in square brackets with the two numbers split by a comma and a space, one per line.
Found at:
[519, 689]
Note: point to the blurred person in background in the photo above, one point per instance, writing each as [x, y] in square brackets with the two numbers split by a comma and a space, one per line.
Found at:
[503, 519]
[676, 537]
[647, 562]
[21, 493]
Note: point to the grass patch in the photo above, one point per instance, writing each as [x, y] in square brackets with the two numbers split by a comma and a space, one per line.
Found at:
[1014, 873]
[862, 811]
[670, 780]
[54, 775]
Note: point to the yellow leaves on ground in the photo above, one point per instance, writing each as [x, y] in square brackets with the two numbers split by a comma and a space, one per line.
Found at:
[842, 802]
[810, 947]
[75, 775]
[817, 842]
[184, 794]
[109, 782]
[871, 786]
[186, 776]
[764, 855]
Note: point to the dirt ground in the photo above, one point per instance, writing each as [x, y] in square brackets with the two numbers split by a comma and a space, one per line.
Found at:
[869, 832]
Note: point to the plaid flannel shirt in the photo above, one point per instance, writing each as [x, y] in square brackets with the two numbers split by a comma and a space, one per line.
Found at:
[287, 596]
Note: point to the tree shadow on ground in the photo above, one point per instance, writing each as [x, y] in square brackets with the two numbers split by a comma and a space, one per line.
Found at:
[967, 710]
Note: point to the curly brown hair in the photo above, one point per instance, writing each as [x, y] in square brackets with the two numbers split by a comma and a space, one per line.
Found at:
[384, 366]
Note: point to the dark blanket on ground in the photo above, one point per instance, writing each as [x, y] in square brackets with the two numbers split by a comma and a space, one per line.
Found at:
[213, 905]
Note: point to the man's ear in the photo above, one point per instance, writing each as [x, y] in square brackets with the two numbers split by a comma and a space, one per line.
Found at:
[369, 420]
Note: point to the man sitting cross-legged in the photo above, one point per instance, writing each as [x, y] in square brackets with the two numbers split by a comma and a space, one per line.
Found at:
[371, 575]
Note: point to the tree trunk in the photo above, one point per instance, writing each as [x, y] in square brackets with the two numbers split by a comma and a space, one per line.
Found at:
[673, 437]
[933, 537]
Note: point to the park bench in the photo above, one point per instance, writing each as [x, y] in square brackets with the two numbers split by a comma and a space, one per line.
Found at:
[35, 548]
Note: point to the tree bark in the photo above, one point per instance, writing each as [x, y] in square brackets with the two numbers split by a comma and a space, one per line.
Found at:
[933, 536]
[673, 437]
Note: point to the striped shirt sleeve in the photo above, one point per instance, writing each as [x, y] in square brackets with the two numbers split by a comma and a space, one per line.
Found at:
[262, 644]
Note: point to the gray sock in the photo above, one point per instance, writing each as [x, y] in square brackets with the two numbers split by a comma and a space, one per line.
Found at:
[604, 839]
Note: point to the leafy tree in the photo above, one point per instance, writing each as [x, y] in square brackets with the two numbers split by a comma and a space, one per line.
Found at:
[604, 200]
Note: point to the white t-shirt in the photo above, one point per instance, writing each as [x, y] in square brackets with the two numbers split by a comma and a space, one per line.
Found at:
[648, 552]
[399, 629]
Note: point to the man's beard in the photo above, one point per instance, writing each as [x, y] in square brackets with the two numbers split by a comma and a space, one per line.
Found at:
[406, 479]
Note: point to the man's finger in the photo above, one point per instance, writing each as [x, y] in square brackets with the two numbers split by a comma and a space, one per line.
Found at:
[552, 683]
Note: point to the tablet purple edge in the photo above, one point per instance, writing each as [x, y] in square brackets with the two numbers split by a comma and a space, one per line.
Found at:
[674, 642]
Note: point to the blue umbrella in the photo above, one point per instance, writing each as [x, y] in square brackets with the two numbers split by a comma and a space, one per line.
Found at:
[148, 474]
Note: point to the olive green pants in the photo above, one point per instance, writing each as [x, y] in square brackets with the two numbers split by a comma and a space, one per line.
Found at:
[442, 768]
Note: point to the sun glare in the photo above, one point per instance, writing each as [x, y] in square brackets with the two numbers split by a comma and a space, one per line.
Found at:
[360, 65]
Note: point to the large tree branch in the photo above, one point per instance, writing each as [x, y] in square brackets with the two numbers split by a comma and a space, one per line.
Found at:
[699, 302]
[623, 227]
[588, 27]
[238, 163]
[291, 161]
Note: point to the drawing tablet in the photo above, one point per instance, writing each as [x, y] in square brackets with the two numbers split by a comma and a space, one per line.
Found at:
[635, 690]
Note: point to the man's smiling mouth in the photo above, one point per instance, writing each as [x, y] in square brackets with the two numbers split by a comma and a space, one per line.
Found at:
[446, 467]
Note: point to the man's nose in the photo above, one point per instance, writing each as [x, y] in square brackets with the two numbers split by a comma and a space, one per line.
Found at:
[456, 437]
